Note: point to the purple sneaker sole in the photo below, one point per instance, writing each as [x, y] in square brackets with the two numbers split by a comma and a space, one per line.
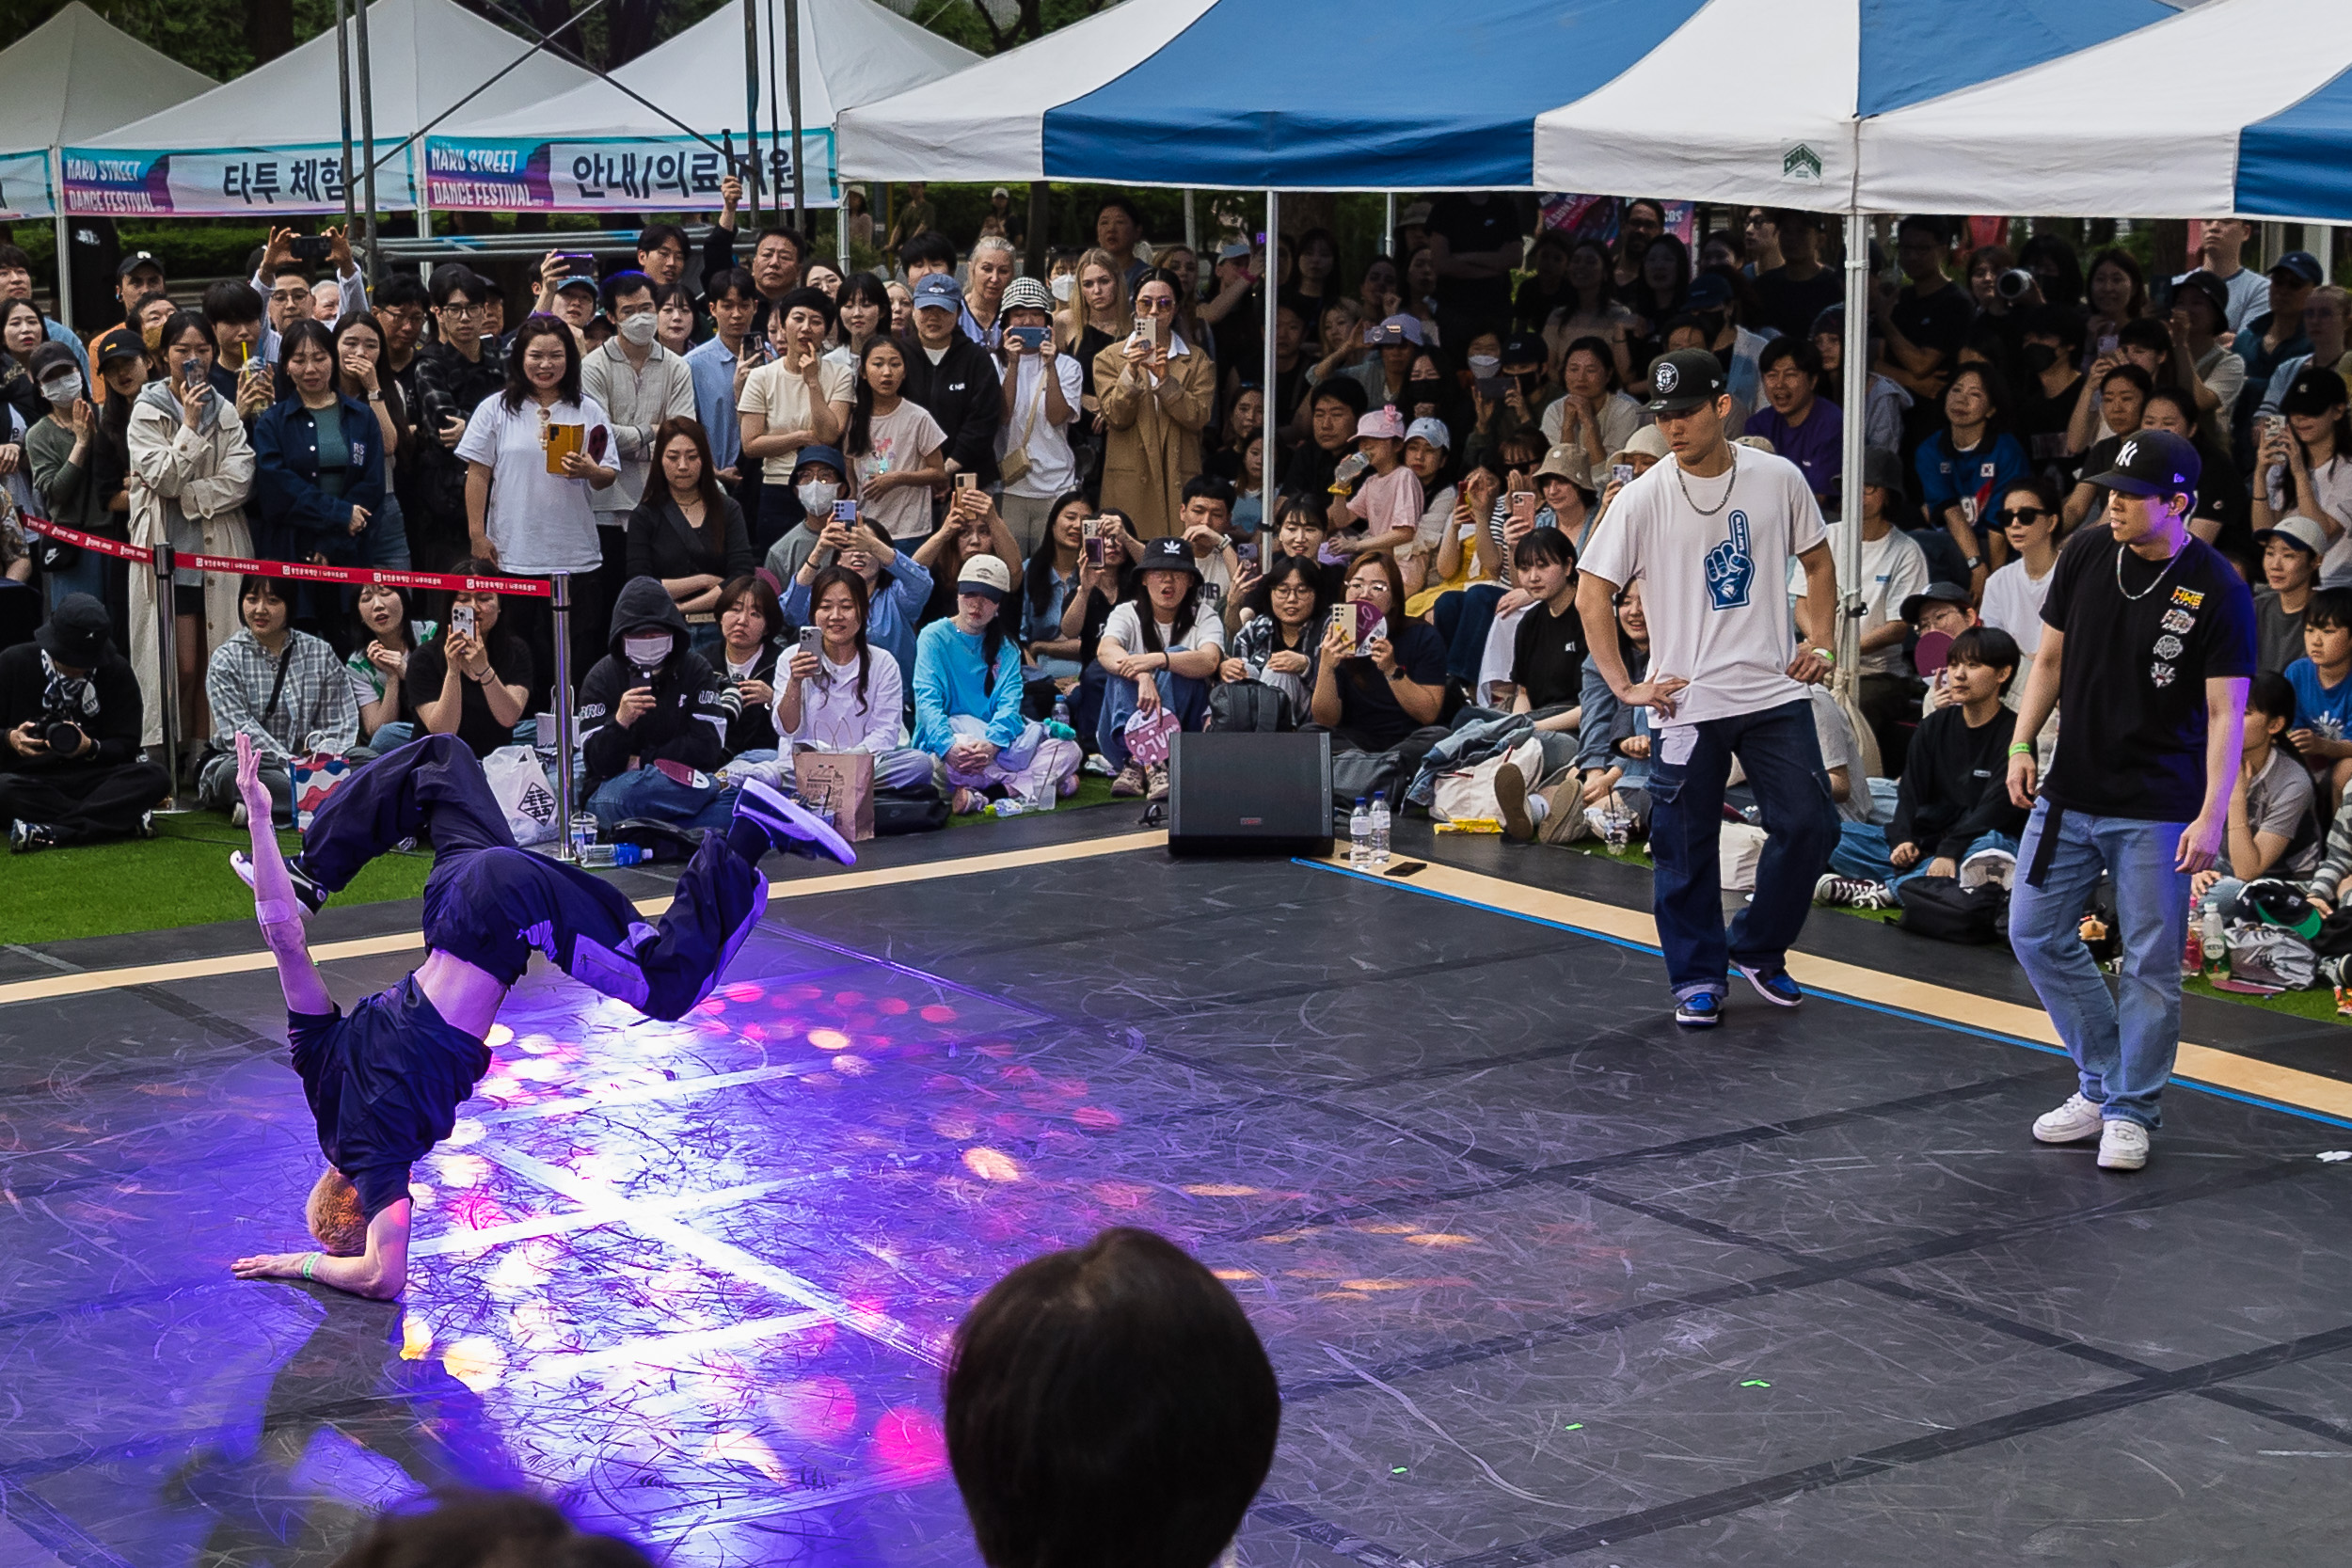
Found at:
[789, 824]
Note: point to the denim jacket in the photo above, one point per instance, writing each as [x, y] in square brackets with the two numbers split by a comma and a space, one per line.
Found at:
[292, 513]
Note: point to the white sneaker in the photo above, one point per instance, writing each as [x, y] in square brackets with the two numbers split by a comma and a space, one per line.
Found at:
[2122, 1145]
[237, 816]
[1988, 865]
[2070, 1123]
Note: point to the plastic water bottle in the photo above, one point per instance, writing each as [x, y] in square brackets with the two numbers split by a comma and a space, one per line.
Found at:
[1359, 836]
[1379, 829]
[1059, 726]
[2215, 943]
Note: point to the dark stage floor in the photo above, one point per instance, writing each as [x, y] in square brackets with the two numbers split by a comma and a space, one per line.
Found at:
[1545, 1280]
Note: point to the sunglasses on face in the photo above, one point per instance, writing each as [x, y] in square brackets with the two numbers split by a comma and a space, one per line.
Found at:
[2008, 516]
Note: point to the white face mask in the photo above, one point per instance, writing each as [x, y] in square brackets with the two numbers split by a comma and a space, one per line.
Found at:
[639, 329]
[647, 651]
[62, 391]
[1063, 285]
[1483, 365]
[817, 498]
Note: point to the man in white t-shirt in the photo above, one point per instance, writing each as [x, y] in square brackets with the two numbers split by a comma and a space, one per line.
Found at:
[2217, 251]
[1709, 535]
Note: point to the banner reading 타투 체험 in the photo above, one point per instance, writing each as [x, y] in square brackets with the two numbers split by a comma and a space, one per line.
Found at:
[222, 181]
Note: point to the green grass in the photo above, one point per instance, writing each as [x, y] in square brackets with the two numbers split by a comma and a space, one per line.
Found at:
[1094, 790]
[182, 877]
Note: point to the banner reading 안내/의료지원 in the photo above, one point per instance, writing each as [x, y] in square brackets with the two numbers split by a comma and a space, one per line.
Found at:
[228, 182]
[24, 185]
[593, 174]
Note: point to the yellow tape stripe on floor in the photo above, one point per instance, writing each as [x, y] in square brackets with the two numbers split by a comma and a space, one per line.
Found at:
[2223, 1069]
[50, 987]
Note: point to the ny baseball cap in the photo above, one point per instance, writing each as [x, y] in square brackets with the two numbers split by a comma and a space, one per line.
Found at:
[937, 291]
[1028, 293]
[1168, 555]
[1432, 431]
[2315, 390]
[988, 577]
[2152, 463]
[1684, 380]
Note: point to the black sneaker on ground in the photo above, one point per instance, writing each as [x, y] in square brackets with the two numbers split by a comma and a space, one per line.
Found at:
[789, 825]
[24, 837]
[312, 895]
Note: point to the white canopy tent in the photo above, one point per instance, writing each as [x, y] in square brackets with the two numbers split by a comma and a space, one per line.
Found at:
[271, 141]
[73, 76]
[597, 147]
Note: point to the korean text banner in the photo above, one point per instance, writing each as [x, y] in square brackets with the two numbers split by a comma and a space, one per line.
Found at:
[24, 185]
[230, 182]
[593, 174]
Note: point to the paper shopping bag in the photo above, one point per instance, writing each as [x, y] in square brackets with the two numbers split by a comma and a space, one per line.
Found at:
[842, 783]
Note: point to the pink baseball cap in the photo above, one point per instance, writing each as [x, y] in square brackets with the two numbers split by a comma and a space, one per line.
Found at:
[1383, 424]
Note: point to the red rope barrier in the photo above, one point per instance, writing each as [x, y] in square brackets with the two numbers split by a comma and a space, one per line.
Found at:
[295, 571]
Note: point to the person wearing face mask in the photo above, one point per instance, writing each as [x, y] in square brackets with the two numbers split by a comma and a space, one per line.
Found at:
[816, 481]
[65, 455]
[639, 384]
[653, 720]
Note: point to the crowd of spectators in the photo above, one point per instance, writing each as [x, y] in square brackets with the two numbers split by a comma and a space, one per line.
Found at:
[986, 526]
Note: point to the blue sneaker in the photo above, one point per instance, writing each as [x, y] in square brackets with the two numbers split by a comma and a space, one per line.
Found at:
[788, 826]
[1700, 1011]
[1773, 985]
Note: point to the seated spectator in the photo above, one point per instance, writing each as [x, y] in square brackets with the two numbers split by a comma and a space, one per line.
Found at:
[687, 531]
[967, 701]
[1970, 463]
[2322, 678]
[1428, 452]
[1159, 649]
[1464, 620]
[1953, 803]
[384, 637]
[1279, 643]
[318, 460]
[817, 484]
[71, 772]
[2123, 390]
[2303, 466]
[1087, 610]
[1893, 569]
[1548, 661]
[1302, 530]
[2274, 820]
[1889, 402]
[897, 585]
[2028, 519]
[1606, 783]
[895, 448]
[751, 633]
[282, 687]
[2291, 547]
[654, 701]
[1644, 451]
[474, 683]
[1110, 1404]
[1384, 511]
[1386, 694]
[1049, 584]
[1804, 427]
[970, 527]
[1205, 524]
[486, 1529]
[1042, 391]
[1155, 391]
[846, 694]
[1592, 414]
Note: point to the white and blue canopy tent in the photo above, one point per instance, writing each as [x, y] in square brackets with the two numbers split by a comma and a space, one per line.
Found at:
[1739, 101]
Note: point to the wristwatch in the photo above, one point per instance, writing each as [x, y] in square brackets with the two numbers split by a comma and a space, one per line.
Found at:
[1973, 562]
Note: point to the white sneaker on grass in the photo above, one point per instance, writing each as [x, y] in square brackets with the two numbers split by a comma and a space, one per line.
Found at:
[2122, 1145]
[2070, 1123]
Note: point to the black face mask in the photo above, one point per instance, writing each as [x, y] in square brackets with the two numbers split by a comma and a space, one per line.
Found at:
[2039, 357]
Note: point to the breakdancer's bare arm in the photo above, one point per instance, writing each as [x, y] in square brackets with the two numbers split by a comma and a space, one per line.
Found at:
[275, 907]
[379, 1272]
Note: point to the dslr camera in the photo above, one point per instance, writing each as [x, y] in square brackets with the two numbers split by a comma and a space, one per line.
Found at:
[63, 737]
[2015, 284]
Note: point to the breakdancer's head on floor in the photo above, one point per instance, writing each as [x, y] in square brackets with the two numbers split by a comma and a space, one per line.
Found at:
[1110, 1404]
[336, 1218]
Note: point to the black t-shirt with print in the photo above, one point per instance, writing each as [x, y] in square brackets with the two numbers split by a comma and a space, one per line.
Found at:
[2132, 685]
[1548, 656]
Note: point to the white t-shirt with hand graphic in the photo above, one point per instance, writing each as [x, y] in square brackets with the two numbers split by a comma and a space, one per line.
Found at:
[1713, 583]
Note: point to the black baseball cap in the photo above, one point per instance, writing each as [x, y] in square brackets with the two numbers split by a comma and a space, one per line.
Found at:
[1937, 592]
[1685, 379]
[2301, 265]
[77, 632]
[136, 259]
[2316, 390]
[1168, 555]
[2152, 463]
[2216, 292]
[1526, 348]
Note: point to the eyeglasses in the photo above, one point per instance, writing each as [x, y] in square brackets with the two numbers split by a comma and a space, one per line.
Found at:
[1156, 307]
[2010, 516]
[453, 309]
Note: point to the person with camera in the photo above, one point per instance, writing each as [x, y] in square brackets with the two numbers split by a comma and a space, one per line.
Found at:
[70, 771]
[1042, 388]
[454, 376]
[283, 265]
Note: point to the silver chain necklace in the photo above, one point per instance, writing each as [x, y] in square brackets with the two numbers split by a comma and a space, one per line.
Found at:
[2161, 575]
[1683, 480]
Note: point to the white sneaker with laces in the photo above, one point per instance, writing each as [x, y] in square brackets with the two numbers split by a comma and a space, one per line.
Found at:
[2070, 1123]
[2122, 1145]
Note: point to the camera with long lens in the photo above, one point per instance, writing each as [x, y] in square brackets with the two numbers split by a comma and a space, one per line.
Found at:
[2015, 284]
[63, 737]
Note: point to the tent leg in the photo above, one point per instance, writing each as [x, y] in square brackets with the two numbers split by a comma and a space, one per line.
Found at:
[1853, 402]
[375, 265]
[1387, 231]
[65, 237]
[1267, 487]
[342, 82]
[1192, 225]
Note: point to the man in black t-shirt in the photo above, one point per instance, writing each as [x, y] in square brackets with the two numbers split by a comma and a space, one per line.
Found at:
[1924, 324]
[2148, 647]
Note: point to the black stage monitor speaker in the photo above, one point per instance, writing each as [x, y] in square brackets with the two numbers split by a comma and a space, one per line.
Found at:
[1249, 793]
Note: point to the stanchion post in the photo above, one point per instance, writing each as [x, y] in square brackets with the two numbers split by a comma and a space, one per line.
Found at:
[560, 601]
[167, 658]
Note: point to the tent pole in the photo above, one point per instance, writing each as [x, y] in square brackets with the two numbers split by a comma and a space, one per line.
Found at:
[1387, 229]
[366, 137]
[1853, 402]
[792, 92]
[776, 120]
[424, 228]
[1267, 489]
[1192, 225]
[751, 107]
[65, 237]
[342, 82]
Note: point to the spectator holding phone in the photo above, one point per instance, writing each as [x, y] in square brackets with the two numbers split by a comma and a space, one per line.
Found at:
[971, 527]
[318, 457]
[1379, 677]
[191, 475]
[1159, 651]
[897, 585]
[653, 720]
[2303, 467]
[1042, 392]
[687, 531]
[472, 678]
[839, 693]
[1105, 579]
[1155, 391]
[818, 485]
[792, 401]
[75, 469]
[967, 700]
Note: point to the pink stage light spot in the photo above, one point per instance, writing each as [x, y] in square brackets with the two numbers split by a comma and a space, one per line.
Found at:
[893, 1005]
[848, 998]
[1020, 1075]
[742, 990]
[829, 1039]
[1101, 1117]
[819, 1409]
[991, 1164]
[908, 1442]
[938, 1012]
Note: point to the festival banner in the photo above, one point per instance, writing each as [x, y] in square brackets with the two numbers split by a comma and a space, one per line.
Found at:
[596, 174]
[24, 185]
[232, 182]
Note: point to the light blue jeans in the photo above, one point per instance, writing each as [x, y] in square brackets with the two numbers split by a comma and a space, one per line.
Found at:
[1862, 851]
[2123, 1044]
[650, 792]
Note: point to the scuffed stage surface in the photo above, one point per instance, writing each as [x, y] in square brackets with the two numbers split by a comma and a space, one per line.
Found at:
[1545, 1279]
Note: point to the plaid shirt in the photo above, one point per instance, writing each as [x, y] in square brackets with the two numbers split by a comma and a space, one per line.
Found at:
[315, 710]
